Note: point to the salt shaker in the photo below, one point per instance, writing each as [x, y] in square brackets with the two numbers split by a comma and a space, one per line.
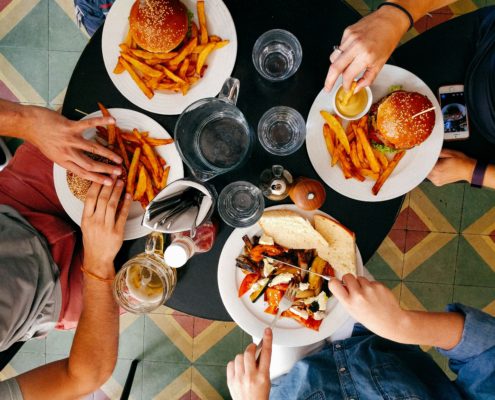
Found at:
[276, 182]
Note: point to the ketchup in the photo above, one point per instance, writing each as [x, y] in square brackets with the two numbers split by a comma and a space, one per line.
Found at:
[203, 240]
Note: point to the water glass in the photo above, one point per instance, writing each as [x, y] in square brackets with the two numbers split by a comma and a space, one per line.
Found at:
[281, 130]
[277, 54]
[241, 204]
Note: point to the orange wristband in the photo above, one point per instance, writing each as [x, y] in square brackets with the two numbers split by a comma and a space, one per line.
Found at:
[95, 277]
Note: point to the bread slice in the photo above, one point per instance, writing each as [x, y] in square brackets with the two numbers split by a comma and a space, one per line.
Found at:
[341, 249]
[289, 229]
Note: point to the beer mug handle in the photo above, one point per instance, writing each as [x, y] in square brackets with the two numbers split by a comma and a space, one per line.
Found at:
[230, 90]
[154, 244]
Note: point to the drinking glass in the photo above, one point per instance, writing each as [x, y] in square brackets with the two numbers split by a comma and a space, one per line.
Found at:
[212, 135]
[145, 282]
[240, 204]
[277, 55]
[281, 130]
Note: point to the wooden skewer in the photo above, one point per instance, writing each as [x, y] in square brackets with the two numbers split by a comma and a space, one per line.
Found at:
[80, 112]
[422, 112]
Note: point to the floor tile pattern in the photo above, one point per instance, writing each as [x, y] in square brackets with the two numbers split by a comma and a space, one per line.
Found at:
[441, 248]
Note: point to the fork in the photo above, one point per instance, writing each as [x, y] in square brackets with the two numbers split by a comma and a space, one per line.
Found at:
[285, 303]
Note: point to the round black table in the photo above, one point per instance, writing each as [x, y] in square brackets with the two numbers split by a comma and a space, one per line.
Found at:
[318, 25]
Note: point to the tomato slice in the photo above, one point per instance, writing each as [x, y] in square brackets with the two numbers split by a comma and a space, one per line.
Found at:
[247, 282]
[310, 323]
[273, 296]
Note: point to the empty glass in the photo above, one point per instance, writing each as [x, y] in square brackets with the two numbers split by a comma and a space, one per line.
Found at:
[212, 135]
[241, 204]
[281, 130]
[277, 54]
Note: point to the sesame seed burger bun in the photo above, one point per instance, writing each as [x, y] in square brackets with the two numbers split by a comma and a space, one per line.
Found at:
[80, 186]
[158, 26]
[394, 125]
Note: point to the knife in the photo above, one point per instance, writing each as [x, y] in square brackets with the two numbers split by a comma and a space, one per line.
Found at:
[326, 277]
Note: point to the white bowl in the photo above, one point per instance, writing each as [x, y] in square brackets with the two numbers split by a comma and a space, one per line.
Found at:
[357, 116]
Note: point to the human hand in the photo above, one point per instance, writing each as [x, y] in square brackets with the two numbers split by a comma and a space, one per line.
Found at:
[366, 46]
[102, 226]
[248, 380]
[452, 166]
[61, 140]
[370, 303]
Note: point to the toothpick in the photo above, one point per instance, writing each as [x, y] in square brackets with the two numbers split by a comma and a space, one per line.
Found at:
[80, 112]
[422, 112]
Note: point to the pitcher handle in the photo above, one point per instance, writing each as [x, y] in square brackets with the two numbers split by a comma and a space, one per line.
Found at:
[230, 90]
[154, 243]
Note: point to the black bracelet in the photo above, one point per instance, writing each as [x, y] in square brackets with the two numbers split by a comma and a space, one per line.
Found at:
[398, 6]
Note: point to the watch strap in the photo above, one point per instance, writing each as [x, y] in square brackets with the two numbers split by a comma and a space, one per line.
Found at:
[479, 174]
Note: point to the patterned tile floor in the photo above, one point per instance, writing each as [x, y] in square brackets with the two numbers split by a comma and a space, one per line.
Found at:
[441, 249]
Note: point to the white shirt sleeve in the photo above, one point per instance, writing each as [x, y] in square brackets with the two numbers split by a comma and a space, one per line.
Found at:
[10, 390]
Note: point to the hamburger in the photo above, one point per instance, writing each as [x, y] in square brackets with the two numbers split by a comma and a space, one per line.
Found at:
[159, 26]
[80, 186]
[391, 121]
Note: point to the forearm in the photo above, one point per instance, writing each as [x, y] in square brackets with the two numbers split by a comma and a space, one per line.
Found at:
[15, 119]
[97, 333]
[438, 329]
[419, 8]
[489, 179]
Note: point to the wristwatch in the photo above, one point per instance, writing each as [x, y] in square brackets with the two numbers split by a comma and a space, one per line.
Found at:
[479, 174]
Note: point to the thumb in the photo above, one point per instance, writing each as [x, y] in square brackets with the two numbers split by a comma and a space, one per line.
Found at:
[338, 289]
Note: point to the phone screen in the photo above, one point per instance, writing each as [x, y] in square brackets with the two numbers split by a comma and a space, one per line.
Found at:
[454, 112]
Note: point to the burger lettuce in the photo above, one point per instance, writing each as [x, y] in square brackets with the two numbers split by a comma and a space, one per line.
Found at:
[382, 148]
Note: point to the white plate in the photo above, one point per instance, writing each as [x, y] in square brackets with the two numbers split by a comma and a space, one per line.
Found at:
[220, 62]
[411, 170]
[126, 119]
[251, 317]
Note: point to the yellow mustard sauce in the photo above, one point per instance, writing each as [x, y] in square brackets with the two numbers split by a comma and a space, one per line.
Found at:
[355, 105]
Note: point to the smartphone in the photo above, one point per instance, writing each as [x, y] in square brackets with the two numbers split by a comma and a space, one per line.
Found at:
[454, 112]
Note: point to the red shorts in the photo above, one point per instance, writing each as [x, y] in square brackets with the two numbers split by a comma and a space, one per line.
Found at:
[26, 185]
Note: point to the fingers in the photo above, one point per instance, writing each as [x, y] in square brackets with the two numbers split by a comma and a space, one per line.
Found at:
[266, 351]
[239, 364]
[250, 359]
[124, 213]
[368, 78]
[230, 371]
[351, 72]
[103, 198]
[91, 165]
[351, 283]
[96, 148]
[91, 198]
[340, 65]
[90, 176]
[338, 290]
[113, 203]
[84, 124]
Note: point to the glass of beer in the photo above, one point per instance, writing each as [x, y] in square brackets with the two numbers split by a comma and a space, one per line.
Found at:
[145, 282]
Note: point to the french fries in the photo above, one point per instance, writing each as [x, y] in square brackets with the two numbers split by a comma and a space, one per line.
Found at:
[175, 71]
[147, 172]
[361, 161]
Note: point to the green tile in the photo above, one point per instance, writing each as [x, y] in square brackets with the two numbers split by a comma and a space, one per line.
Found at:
[471, 269]
[477, 202]
[64, 34]
[34, 346]
[434, 297]
[131, 341]
[225, 350]
[379, 268]
[247, 339]
[440, 267]
[447, 199]
[61, 65]
[390, 283]
[474, 296]
[32, 64]
[158, 347]
[156, 376]
[23, 362]
[216, 376]
[59, 342]
[31, 31]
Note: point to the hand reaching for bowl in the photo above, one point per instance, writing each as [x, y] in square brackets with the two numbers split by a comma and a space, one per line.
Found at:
[366, 47]
[60, 139]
